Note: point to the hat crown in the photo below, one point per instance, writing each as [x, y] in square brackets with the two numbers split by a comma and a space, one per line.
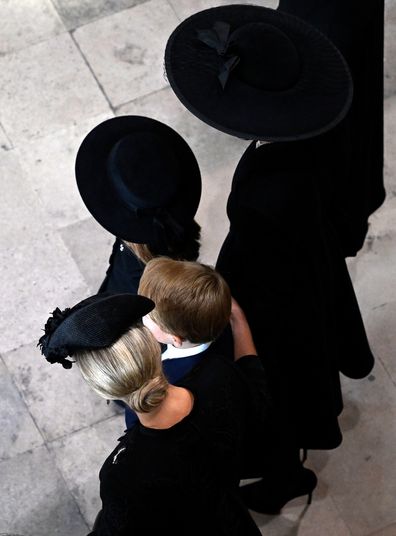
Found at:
[144, 170]
[269, 59]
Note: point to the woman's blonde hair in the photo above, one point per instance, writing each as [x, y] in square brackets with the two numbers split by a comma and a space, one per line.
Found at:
[192, 300]
[129, 370]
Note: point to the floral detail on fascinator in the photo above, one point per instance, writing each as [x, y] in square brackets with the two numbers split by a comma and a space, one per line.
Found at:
[55, 354]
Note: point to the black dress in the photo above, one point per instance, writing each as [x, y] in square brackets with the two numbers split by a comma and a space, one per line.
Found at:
[184, 480]
[283, 261]
[356, 27]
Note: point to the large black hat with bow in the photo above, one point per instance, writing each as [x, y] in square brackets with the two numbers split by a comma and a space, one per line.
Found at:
[139, 179]
[96, 322]
[257, 73]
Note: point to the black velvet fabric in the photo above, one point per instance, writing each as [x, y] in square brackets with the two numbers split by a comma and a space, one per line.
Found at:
[184, 480]
[283, 262]
[124, 271]
[357, 28]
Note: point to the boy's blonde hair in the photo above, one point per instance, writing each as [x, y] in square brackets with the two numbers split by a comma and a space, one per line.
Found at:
[129, 370]
[192, 300]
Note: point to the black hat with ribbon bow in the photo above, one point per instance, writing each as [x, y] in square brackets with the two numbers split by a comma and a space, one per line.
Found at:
[139, 179]
[258, 73]
[96, 322]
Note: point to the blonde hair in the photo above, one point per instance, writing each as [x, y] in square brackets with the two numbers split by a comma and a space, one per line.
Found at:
[129, 370]
[192, 300]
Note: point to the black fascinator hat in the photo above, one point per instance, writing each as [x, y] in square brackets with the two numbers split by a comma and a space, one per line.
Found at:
[96, 322]
[258, 73]
[139, 179]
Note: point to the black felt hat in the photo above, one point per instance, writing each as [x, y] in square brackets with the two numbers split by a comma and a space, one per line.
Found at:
[257, 73]
[96, 322]
[139, 179]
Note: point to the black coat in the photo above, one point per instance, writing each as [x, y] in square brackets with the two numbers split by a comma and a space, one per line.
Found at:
[184, 479]
[298, 298]
[357, 28]
[124, 271]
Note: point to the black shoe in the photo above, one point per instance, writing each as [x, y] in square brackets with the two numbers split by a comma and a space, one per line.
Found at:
[260, 498]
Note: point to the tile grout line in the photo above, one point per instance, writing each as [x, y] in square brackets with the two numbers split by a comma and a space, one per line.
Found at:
[174, 10]
[150, 94]
[71, 33]
[73, 498]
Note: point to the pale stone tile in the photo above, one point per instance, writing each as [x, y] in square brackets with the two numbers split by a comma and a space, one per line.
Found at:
[18, 431]
[217, 154]
[81, 472]
[185, 8]
[39, 275]
[34, 499]
[320, 518]
[46, 87]
[380, 325]
[90, 246]
[373, 270]
[390, 147]
[25, 23]
[75, 13]
[48, 163]
[126, 50]
[361, 473]
[5, 143]
[59, 400]
[390, 530]
[390, 63]
[21, 212]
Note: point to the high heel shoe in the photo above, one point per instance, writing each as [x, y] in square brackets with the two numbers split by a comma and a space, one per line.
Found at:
[260, 498]
[304, 455]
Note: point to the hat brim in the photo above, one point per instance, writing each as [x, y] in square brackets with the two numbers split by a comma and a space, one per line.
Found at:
[103, 201]
[317, 102]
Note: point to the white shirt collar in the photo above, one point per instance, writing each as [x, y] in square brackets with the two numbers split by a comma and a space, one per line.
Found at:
[173, 353]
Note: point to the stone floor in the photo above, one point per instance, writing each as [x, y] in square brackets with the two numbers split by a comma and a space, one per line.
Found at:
[66, 65]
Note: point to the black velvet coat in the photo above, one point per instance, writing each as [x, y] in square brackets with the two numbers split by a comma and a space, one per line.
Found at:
[284, 263]
[124, 271]
[356, 27]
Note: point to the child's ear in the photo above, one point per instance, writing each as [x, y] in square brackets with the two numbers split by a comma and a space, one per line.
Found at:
[177, 342]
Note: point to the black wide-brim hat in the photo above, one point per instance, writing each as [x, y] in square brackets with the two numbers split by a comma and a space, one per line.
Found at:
[257, 73]
[137, 176]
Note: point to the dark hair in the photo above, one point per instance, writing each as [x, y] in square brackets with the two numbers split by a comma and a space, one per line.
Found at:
[186, 248]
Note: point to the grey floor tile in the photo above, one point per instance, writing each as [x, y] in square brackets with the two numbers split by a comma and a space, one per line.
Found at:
[390, 50]
[75, 13]
[361, 473]
[126, 50]
[93, 445]
[24, 23]
[5, 143]
[185, 8]
[217, 154]
[390, 147]
[22, 216]
[40, 275]
[34, 499]
[380, 325]
[48, 162]
[390, 530]
[90, 246]
[59, 400]
[18, 430]
[321, 518]
[46, 87]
